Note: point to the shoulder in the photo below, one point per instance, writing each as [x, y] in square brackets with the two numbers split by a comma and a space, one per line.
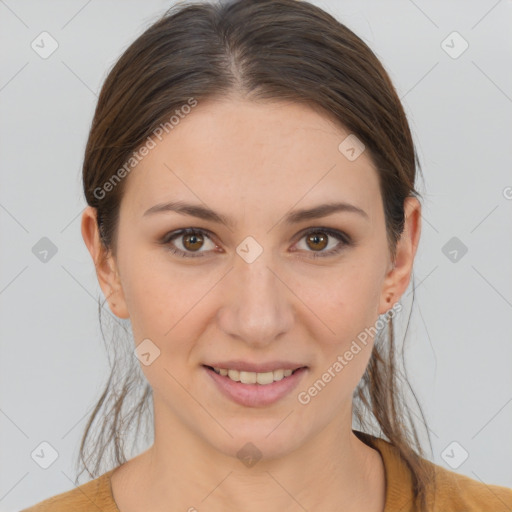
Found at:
[453, 491]
[89, 497]
[448, 491]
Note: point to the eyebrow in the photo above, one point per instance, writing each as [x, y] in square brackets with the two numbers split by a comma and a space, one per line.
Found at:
[294, 217]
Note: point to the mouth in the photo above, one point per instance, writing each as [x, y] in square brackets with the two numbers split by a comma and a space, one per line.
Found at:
[262, 378]
[255, 389]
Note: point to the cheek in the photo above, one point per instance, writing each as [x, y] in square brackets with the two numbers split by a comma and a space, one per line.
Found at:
[154, 296]
[349, 310]
[166, 303]
[345, 301]
[164, 307]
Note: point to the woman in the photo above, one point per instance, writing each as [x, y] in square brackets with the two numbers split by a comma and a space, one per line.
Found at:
[250, 176]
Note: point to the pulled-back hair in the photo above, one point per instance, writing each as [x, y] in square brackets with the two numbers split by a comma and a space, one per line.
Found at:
[261, 50]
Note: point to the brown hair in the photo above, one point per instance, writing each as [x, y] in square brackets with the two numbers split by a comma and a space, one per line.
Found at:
[263, 50]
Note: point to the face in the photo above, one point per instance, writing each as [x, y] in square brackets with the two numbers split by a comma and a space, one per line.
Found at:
[256, 284]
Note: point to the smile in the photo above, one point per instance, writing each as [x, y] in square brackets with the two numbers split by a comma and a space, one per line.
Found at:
[255, 389]
[254, 377]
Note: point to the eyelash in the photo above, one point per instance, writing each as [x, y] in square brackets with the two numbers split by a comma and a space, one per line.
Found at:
[338, 235]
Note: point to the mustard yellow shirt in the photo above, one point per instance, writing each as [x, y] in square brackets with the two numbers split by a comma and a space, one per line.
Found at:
[454, 492]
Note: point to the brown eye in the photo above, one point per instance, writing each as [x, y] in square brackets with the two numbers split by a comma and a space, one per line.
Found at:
[193, 242]
[189, 242]
[317, 240]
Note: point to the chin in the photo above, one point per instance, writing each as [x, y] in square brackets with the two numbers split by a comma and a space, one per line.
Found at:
[256, 440]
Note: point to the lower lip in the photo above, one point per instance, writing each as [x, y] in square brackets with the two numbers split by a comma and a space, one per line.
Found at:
[256, 395]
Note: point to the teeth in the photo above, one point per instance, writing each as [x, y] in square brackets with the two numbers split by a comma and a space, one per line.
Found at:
[278, 374]
[253, 377]
[248, 377]
[264, 378]
[233, 375]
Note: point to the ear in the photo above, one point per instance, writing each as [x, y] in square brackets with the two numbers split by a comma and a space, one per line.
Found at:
[398, 277]
[106, 268]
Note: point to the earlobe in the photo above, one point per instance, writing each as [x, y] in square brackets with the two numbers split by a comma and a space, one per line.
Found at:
[115, 295]
[117, 303]
[106, 271]
[398, 277]
[387, 301]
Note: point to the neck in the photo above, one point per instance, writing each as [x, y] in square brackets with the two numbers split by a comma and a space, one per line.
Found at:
[334, 470]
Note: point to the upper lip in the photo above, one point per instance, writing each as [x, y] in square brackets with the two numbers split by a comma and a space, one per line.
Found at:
[246, 366]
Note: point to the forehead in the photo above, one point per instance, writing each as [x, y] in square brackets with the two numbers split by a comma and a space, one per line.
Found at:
[263, 156]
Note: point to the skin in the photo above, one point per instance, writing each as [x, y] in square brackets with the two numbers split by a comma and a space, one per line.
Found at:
[252, 162]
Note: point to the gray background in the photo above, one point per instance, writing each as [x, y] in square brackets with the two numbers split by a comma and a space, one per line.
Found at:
[53, 363]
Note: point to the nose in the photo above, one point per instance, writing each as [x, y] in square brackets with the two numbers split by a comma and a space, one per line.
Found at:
[256, 307]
